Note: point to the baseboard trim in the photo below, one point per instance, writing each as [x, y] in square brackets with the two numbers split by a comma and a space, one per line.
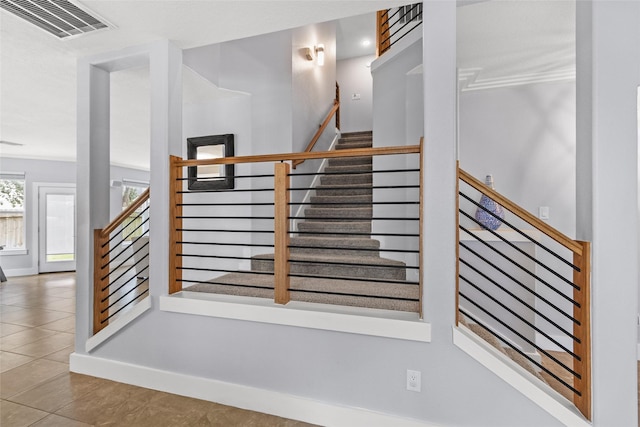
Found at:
[240, 396]
[539, 393]
[16, 272]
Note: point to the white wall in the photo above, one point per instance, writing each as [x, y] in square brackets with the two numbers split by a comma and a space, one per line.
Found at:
[58, 172]
[354, 77]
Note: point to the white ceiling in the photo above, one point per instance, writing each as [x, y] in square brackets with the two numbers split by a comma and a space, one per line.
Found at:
[37, 71]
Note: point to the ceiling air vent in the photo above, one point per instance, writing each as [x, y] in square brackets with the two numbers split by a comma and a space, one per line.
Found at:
[58, 17]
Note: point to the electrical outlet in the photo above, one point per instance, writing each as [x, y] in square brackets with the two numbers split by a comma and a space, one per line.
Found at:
[414, 382]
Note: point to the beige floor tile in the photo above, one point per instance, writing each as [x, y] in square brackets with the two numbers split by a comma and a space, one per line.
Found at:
[9, 361]
[46, 345]
[14, 415]
[29, 375]
[59, 391]
[54, 420]
[68, 324]
[61, 355]
[25, 337]
[34, 317]
[8, 329]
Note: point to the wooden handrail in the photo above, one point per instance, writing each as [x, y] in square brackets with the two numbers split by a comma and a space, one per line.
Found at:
[556, 235]
[318, 134]
[352, 152]
[115, 223]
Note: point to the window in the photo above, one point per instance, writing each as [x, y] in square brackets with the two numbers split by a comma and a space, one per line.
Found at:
[138, 222]
[12, 223]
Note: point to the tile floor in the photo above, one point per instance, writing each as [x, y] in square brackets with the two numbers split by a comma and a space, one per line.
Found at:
[37, 324]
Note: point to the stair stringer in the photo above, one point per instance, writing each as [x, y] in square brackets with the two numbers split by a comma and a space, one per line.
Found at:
[515, 375]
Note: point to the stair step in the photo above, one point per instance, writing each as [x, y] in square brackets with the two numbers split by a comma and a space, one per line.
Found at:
[342, 190]
[365, 167]
[347, 179]
[336, 229]
[353, 144]
[355, 246]
[364, 267]
[349, 161]
[332, 214]
[341, 201]
[358, 134]
[343, 292]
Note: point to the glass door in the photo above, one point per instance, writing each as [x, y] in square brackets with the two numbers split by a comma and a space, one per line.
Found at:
[57, 229]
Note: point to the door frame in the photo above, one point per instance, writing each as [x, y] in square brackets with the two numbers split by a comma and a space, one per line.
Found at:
[35, 217]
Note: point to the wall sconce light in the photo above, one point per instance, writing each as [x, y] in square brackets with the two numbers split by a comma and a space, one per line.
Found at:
[320, 54]
[308, 53]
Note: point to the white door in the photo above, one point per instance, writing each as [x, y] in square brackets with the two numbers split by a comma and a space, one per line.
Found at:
[57, 229]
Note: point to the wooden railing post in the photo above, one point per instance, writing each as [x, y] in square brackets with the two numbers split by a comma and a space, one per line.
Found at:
[337, 100]
[175, 224]
[383, 41]
[281, 233]
[100, 280]
[582, 313]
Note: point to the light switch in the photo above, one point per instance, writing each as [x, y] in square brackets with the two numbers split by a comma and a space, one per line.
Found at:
[355, 97]
[543, 212]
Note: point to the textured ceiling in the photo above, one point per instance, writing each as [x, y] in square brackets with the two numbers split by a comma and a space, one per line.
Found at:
[497, 39]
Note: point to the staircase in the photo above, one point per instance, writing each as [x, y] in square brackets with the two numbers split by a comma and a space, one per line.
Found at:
[334, 246]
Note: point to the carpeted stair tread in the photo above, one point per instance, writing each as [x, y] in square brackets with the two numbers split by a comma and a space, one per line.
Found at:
[347, 179]
[332, 214]
[353, 144]
[350, 161]
[344, 190]
[306, 289]
[365, 167]
[356, 246]
[342, 201]
[370, 267]
[342, 228]
[358, 133]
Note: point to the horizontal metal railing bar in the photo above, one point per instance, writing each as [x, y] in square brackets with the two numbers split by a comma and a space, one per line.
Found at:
[321, 233]
[219, 270]
[102, 267]
[222, 217]
[269, 245]
[417, 202]
[365, 172]
[523, 354]
[140, 214]
[373, 218]
[213, 178]
[106, 231]
[123, 273]
[119, 246]
[522, 252]
[213, 256]
[418, 23]
[522, 285]
[124, 306]
[211, 282]
[353, 264]
[523, 234]
[356, 279]
[373, 187]
[122, 286]
[519, 317]
[386, 22]
[333, 248]
[521, 213]
[209, 230]
[224, 190]
[523, 302]
[227, 204]
[351, 152]
[311, 291]
[524, 269]
[527, 340]
[136, 229]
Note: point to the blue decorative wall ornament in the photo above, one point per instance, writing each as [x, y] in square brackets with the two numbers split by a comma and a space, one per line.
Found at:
[485, 218]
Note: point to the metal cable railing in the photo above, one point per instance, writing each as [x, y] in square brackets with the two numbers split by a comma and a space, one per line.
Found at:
[121, 263]
[394, 24]
[526, 285]
[272, 237]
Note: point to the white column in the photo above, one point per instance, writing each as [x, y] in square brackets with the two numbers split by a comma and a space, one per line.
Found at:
[439, 245]
[166, 139]
[92, 184]
[608, 74]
